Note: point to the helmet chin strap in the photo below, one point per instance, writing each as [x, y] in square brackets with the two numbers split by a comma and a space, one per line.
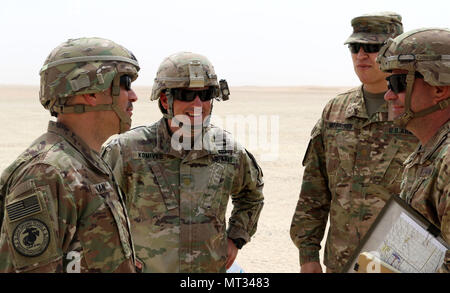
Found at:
[125, 120]
[404, 118]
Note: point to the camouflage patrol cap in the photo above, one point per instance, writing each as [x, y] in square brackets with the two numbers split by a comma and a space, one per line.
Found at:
[184, 70]
[375, 28]
[83, 66]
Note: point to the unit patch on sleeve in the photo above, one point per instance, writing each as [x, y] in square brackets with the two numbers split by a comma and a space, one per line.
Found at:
[31, 237]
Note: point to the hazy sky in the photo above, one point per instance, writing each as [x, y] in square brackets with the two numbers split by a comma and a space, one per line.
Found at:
[249, 42]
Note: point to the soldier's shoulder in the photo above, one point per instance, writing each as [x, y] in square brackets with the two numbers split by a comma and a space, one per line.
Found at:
[136, 135]
[342, 100]
[39, 151]
[48, 151]
[225, 139]
[347, 95]
[444, 152]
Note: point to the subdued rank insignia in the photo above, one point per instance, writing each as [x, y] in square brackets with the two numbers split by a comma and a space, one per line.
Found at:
[31, 237]
[23, 208]
[426, 172]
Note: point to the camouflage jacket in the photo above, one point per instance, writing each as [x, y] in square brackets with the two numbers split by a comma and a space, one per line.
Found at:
[177, 200]
[426, 183]
[353, 164]
[62, 210]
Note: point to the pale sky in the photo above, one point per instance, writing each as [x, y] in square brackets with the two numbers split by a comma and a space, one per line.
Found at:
[249, 42]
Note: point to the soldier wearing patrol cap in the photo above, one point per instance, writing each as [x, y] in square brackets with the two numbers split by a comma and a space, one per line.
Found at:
[353, 163]
[419, 99]
[177, 193]
[62, 210]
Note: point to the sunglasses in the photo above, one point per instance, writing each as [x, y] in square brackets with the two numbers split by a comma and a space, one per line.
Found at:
[368, 48]
[397, 82]
[185, 95]
[125, 81]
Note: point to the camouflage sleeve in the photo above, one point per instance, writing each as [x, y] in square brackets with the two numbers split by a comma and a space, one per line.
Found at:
[311, 214]
[247, 198]
[112, 154]
[2, 197]
[444, 209]
[40, 219]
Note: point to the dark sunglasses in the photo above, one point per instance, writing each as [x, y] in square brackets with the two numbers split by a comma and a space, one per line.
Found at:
[368, 48]
[397, 82]
[125, 81]
[186, 95]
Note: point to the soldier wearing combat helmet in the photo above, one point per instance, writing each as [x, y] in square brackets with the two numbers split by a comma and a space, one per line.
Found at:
[61, 207]
[180, 172]
[353, 163]
[419, 99]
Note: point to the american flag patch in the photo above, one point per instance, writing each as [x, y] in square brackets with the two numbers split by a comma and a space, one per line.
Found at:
[23, 208]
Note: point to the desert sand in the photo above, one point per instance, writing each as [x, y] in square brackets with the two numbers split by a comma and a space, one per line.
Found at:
[297, 108]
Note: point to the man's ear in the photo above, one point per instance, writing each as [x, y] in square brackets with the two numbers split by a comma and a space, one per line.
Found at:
[91, 99]
[164, 101]
[441, 93]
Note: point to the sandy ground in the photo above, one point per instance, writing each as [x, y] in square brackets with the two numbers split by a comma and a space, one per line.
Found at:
[297, 108]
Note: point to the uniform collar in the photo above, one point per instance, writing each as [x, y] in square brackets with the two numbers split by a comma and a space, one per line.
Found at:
[357, 108]
[430, 147]
[90, 155]
[164, 138]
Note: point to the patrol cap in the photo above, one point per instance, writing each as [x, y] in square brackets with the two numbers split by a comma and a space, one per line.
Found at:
[375, 28]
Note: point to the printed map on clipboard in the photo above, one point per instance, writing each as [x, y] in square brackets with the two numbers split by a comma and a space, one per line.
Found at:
[401, 239]
[410, 248]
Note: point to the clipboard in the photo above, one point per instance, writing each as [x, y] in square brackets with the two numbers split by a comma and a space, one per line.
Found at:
[400, 240]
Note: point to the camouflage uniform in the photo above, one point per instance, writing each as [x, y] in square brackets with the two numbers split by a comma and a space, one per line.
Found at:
[353, 164]
[177, 199]
[426, 183]
[426, 179]
[61, 208]
[65, 193]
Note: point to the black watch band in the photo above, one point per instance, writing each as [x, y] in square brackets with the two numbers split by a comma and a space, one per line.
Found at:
[239, 242]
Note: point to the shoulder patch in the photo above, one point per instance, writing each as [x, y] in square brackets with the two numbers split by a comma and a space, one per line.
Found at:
[23, 208]
[255, 163]
[31, 237]
[316, 129]
[29, 228]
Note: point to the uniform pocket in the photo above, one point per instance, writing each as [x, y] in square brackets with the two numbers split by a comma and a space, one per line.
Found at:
[210, 202]
[346, 143]
[102, 238]
[166, 189]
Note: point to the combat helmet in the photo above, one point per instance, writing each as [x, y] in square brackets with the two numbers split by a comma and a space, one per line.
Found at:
[426, 51]
[186, 70]
[86, 66]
